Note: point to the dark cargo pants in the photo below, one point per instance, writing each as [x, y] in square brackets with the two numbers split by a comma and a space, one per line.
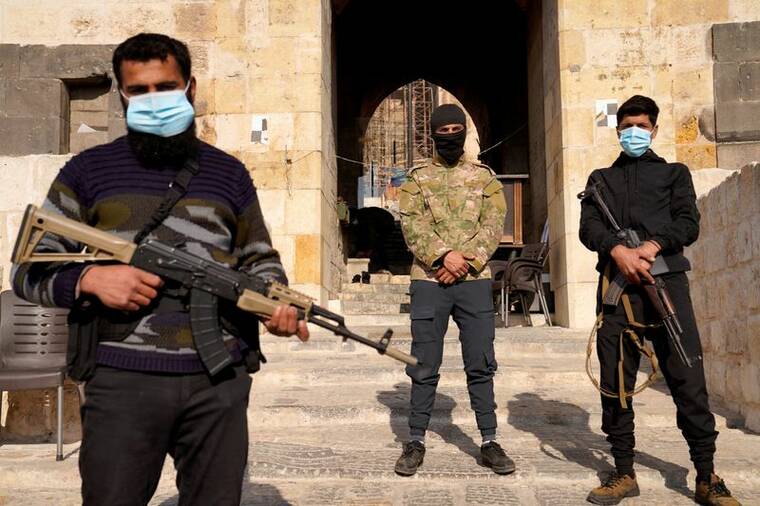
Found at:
[687, 385]
[471, 305]
[132, 419]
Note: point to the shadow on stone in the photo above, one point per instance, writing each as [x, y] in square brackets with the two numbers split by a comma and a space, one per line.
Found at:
[441, 422]
[734, 419]
[564, 433]
[254, 494]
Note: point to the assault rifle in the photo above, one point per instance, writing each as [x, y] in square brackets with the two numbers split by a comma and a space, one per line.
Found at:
[206, 281]
[657, 292]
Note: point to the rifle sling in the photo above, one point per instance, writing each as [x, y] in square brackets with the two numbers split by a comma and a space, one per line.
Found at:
[630, 332]
[204, 319]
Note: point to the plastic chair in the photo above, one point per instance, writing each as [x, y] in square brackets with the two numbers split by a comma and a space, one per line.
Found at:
[498, 267]
[522, 276]
[33, 350]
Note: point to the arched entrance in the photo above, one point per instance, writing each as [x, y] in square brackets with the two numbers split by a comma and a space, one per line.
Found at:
[481, 52]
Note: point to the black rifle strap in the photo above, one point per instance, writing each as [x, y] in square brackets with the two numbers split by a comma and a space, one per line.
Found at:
[176, 191]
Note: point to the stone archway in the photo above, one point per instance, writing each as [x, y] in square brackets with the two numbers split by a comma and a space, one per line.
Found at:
[487, 54]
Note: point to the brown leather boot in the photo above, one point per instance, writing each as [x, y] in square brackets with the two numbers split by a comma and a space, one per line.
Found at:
[714, 493]
[614, 489]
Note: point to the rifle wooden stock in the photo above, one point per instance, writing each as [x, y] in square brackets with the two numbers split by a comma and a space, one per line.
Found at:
[98, 246]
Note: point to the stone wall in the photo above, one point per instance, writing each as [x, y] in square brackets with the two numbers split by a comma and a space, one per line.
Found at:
[736, 48]
[256, 61]
[725, 290]
[612, 50]
[25, 181]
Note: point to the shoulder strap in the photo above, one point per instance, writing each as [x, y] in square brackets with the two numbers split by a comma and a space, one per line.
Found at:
[176, 191]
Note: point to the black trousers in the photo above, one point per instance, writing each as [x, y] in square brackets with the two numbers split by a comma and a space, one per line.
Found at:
[471, 305]
[131, 420]
[687, 385]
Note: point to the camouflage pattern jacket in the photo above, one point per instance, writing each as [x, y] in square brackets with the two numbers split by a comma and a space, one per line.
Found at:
[452, 208]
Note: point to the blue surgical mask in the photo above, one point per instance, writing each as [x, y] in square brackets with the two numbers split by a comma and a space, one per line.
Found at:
[635, 141]
[162, 113]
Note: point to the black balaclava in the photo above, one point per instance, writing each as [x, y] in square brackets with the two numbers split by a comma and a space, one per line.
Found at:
[449, 146]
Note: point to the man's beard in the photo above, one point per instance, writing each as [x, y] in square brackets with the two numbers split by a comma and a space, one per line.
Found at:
[156, 151]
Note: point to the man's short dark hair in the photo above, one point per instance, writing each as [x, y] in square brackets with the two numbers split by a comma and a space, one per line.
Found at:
[144, 47]
[636, 105]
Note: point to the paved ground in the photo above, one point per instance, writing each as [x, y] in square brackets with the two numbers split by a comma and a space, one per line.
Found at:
[326, 421]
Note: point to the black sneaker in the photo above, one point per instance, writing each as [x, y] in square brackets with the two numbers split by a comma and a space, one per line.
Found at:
[495, 458]
[411, 458]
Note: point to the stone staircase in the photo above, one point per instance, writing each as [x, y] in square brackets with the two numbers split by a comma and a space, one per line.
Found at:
[327, 420]
[382, 301]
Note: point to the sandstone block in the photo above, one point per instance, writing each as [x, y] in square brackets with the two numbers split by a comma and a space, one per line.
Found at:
[273, 207]
[230, 95]
[753, 338]
[744, 241]
[734, 391]
[572, 46]
[195, 21]
[689, 44]
[230, 18]
[603, 15]
[749, 193]
[578, 127]
[277, 93]
[691, 12]
[752, 418]
[693, 86]
[294, 17]
[286, 247]
[717, 377]
[589, 83]
[300, 215]
[750, 379]
[308, 258]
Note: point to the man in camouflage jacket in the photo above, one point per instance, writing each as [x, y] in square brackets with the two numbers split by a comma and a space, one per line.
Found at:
[452, 216]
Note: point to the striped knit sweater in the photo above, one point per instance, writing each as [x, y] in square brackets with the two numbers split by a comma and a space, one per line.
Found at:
[219, 219]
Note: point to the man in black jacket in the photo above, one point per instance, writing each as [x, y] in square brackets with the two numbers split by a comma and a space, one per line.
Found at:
[657, 200]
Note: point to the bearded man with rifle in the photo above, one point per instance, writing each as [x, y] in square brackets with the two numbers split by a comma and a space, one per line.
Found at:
[157, 242]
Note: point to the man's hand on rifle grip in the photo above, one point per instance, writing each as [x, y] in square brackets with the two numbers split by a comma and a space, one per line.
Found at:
[648, 251]
[631, 264]
[284, 322]
[120, 287]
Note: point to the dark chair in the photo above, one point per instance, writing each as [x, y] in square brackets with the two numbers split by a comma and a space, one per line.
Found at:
[498, 267]
[522, 277]
[33, 350]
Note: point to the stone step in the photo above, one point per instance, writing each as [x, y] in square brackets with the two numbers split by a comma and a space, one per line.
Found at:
[427, 488]
[563, 453]
[314, 371]
[382, 320]
[328, 466]
[298, 406]
[354, 307]
[374, 288]
[393, 279]
[391, 297]
[510, 341]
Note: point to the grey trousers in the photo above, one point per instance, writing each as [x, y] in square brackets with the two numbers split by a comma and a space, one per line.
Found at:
[471, 305]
